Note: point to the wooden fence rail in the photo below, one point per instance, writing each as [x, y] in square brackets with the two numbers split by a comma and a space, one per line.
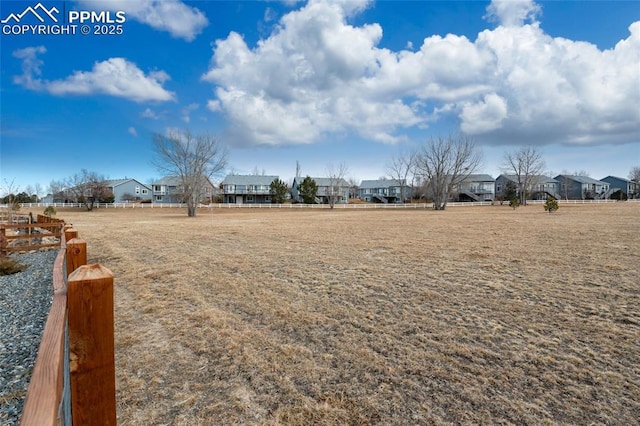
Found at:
[73, 380]
[46, 227]
[34, 235]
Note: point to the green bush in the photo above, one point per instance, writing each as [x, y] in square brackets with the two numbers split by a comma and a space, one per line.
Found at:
[619, 195]
[551, 205]
[514, 203]
[49, 211]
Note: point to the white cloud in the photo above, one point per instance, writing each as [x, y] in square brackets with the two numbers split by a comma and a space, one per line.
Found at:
[317, 75]
[149, 113]
[114, 77]
[304, 88]
[173, 16]
[563, 91]
[30, 67]
[132, 131]
[511, 13]
[483, 116]
[186, 112]
[269, 15]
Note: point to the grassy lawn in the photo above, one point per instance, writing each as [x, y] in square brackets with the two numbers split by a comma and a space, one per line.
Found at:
[474, 315]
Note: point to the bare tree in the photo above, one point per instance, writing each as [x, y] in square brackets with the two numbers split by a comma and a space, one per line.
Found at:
[298, 169]
[31, 192]
[336, 182]
[10, 188]
[38, 191]
[400, 167]
[445, 161]
[56, 188]
[193, 159]
[353, 187]
[634, 176]
[257, 172]
[525, 163]
[88, 188]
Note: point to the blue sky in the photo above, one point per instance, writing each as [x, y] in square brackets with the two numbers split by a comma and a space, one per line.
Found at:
[320, 83]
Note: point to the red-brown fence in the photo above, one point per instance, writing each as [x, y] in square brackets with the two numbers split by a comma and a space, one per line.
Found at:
[29, 235]
[73, 380]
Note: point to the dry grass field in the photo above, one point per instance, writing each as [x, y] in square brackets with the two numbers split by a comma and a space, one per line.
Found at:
[474, 315]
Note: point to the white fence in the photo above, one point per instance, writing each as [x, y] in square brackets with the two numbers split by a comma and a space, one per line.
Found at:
[304, 206]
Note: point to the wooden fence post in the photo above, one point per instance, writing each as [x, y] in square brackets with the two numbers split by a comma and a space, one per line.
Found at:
[3, 241]
[76, 254]
[91, 345]
[70, 233]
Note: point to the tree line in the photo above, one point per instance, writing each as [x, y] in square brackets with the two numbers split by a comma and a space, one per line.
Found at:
[434, 170]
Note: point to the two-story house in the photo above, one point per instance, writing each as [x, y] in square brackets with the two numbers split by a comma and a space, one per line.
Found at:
[241, 189]
[169, 189]
[582, 188]
[629, 188]
[541, 187]
[384, 191]
[327, 188]
[128, 190]
[475, 187]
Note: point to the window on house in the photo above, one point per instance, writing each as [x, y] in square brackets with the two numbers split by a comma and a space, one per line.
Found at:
[249, 198]
[137, 190]
[158, 197]
[144, 191]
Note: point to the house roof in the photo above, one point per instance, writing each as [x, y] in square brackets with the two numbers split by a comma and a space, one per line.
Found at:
[536, 178]
[249, 180]
[380, 183]
[580, 179]
[168, 181]
[116, 182]
[174, 181]
[324, 181]
[479, 178]
[616, 178]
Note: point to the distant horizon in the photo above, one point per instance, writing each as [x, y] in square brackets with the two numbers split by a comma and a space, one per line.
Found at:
[317, 83]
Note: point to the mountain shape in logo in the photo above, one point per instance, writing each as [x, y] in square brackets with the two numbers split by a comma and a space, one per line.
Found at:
[34, 12]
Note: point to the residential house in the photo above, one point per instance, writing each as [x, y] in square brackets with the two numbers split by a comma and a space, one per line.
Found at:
[127, 190]
[475, 187]
[52, 198]
[169, 189]
[541, 187]
[582, 188]
[384, 191]
[241, 189]
[326, 188]
[101, 191]
[629, 188]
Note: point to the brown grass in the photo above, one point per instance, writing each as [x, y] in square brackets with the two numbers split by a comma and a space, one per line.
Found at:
[479, 315]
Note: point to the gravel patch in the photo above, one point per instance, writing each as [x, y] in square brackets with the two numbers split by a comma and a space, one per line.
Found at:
[25, 300]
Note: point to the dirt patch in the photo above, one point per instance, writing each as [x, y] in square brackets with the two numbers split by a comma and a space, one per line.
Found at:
[478, 315]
